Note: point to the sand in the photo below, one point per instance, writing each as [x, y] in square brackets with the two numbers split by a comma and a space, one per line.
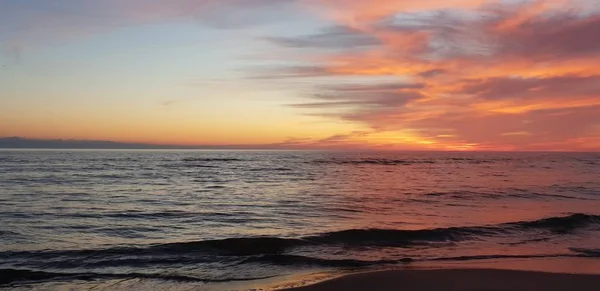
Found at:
[458, 279]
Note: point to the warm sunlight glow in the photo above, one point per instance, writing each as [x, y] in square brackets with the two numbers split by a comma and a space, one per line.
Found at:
[334, 74]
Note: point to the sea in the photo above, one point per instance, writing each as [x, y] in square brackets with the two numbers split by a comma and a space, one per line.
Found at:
[240, 220]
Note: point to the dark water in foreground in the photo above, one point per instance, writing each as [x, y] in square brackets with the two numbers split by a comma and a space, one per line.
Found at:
[214, 217]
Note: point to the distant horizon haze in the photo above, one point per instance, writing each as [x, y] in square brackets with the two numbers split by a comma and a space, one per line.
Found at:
[17, 143]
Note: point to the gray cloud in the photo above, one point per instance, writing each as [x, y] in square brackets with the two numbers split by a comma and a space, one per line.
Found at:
[283, 72]
[335, 37]
[352, 100]
[542, 88]
[567, 33]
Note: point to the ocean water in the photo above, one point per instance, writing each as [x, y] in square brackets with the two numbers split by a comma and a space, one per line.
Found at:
[217, 219]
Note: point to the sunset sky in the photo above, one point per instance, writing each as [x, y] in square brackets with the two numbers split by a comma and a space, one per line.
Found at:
[384, 74]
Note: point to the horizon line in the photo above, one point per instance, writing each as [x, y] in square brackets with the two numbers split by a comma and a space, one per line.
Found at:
[23, 143]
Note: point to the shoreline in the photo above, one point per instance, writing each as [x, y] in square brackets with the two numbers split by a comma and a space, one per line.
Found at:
[456, 279]
[556, 274]
[587, 267]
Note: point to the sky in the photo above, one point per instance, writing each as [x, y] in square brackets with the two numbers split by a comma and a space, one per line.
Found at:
[514, 75]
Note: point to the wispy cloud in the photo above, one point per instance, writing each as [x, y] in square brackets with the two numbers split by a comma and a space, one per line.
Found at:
[479, 68]
[26, 23]
[170, 102]
[459, 74]
[334, 37]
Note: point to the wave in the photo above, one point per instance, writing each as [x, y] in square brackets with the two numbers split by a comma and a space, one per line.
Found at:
[559, 224]
[595, 253]
[348, 263]
[235, 246]
[134, 214]
[19, 276]
[391, 237]
[277, 249]
[280, 169]
[192, 166]
[384, 162]
[259, 245]
[11, 276]
[8, 233]
[294, 260]
[211, 160]
[400, 162]
[511, 193]
[490, 257]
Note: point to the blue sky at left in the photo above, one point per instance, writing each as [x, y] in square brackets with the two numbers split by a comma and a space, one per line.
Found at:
[171, 77]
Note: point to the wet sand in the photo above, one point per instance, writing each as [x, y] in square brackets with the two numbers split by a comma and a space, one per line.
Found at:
[458, 279]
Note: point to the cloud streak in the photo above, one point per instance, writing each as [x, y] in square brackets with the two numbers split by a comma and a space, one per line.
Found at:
[479, 71]
[439, 74]
[31, 23]
[334, 37]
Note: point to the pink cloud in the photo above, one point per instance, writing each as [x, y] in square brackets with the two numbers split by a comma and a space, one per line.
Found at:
[483, 71]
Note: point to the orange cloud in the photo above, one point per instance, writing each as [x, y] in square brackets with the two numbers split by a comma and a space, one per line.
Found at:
[435, 74]
[479, 71]
[360, 12]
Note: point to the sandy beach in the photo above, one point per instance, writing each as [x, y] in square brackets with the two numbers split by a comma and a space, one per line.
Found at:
[458, 280]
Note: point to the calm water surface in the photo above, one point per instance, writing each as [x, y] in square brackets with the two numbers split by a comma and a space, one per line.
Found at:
[138, 219]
